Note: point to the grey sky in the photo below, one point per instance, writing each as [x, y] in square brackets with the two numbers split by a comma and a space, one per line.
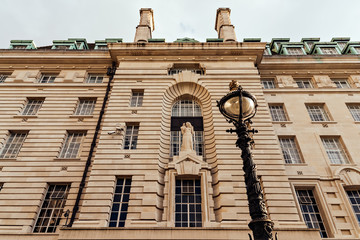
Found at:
[47, 20]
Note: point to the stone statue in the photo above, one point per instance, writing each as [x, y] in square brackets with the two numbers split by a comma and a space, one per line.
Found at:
[187, 131]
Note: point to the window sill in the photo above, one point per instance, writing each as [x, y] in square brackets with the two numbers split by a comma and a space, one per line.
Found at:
[81, 116]
[67, 159]
[295, 164]
[357, 122]
[282, 122]
[25, 116]
[342, 164]
[8, 159]
[323, 122]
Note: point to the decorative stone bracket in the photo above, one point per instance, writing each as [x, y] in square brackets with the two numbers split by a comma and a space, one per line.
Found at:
[188, 163]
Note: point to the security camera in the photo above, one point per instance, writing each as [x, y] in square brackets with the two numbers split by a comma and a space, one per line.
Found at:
[111, 132]
[118, 128]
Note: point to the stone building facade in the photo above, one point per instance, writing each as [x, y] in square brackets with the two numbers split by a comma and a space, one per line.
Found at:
[90, 137]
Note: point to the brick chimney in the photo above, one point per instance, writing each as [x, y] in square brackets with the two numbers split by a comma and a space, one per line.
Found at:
[223, 25]
[146, 25]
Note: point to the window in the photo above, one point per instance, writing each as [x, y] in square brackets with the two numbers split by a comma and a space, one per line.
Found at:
[179, 67]
[32, 106]
[277, 113]
[290, 150]
[329, 50]
[317, 113]
[334, 150]
[342, 45]
[92, 78]
[303, 83]
[71, 146]
[354, 198]
[3, 78]
[120, 202]
[268, 84]
[85, 107]
[51, 209]
[13, 144]
[1, 186]
[188, 203]
[186, 111]
[295, 51]
[137, 98]
[310, 211]
[341, 83]
[131, 136]
[355, 111]
[47, 78]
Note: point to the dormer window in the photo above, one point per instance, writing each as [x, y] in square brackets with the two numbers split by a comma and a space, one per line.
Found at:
[329, 50]
[22, 44]
[326, 49]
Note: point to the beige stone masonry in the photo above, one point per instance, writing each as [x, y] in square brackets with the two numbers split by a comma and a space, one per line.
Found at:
[223, 25]
[146, 26]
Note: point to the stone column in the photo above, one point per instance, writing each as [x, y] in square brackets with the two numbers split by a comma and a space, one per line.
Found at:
[223, 25]
[146, 25]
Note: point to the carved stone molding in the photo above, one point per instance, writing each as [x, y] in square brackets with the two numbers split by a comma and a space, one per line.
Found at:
[188, 163]
[286, 81]
[356, 80]
[324, 81]
[186, 76]
[350, 176]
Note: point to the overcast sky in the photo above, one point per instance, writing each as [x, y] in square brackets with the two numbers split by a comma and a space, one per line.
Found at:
[47, 20]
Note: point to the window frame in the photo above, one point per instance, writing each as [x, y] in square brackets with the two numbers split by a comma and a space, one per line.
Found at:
[6, 143]
[344, 153]
[61, 210]
[339, 83]
[63, 153]
[297, 147]
[268, 81]
[324, 112]
[134, 126]
[302, 81]
[97, 77]
[120, 202]
[3, 77]
[355, 115]
[137, 98]
[81, 106]
[37, 106]
[51, 78]
[282, 114]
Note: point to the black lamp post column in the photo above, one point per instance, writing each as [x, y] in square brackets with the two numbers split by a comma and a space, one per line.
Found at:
[260, 224]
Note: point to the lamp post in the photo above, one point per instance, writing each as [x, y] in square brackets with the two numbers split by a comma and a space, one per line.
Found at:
[238, 107]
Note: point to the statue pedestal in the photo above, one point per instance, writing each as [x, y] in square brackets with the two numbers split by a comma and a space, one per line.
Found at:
[188, 163]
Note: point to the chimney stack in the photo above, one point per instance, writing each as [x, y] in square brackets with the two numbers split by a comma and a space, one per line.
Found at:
[223, 25]
[146, 25]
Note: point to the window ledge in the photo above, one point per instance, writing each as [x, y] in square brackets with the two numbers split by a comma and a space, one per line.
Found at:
[357, 122]
[67, 159]
[25, 116]
[8, 159]
[342, 164]
[295, 164]
[81, 116]
[282, 122]
[323, 122]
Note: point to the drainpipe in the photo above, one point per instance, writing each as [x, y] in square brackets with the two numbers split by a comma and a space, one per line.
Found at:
[110, 73]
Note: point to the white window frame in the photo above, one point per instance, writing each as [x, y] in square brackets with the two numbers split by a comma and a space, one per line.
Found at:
[13, 144]
[341, 82]
[137, 97]
[186, 108]
[277, 112]
[72, 145]
[47, 78]
[85, 107]
[290, 150]
[120, 202]
[317, 112]
[335, 150]
[3, 77]
[304, 83]
[32, 106]
[268, 83]
[354, 109]
[94, 78]
[131, 136]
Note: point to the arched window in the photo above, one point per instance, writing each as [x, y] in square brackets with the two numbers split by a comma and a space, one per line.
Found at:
[186, 111]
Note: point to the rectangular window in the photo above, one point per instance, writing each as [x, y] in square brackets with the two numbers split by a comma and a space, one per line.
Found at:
[303, 83]
[290, 150]
[92, 78]
[355, 111]
[47, 78]
[32, 106]
[3, 78]
[295, 51]
[71, 146]
[277, 113]
[131, 136]
[85, 107]
[310, 211]
[329, 50]
[120, 202]
[188, 203]
[354, 198]
[268, 84]
[334, 150]
[52, 209]
[137, 98]
[317, 113]
[341, 83]
[13, 144]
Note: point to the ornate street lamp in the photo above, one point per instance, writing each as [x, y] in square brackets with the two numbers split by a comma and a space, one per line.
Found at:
[238, 107]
